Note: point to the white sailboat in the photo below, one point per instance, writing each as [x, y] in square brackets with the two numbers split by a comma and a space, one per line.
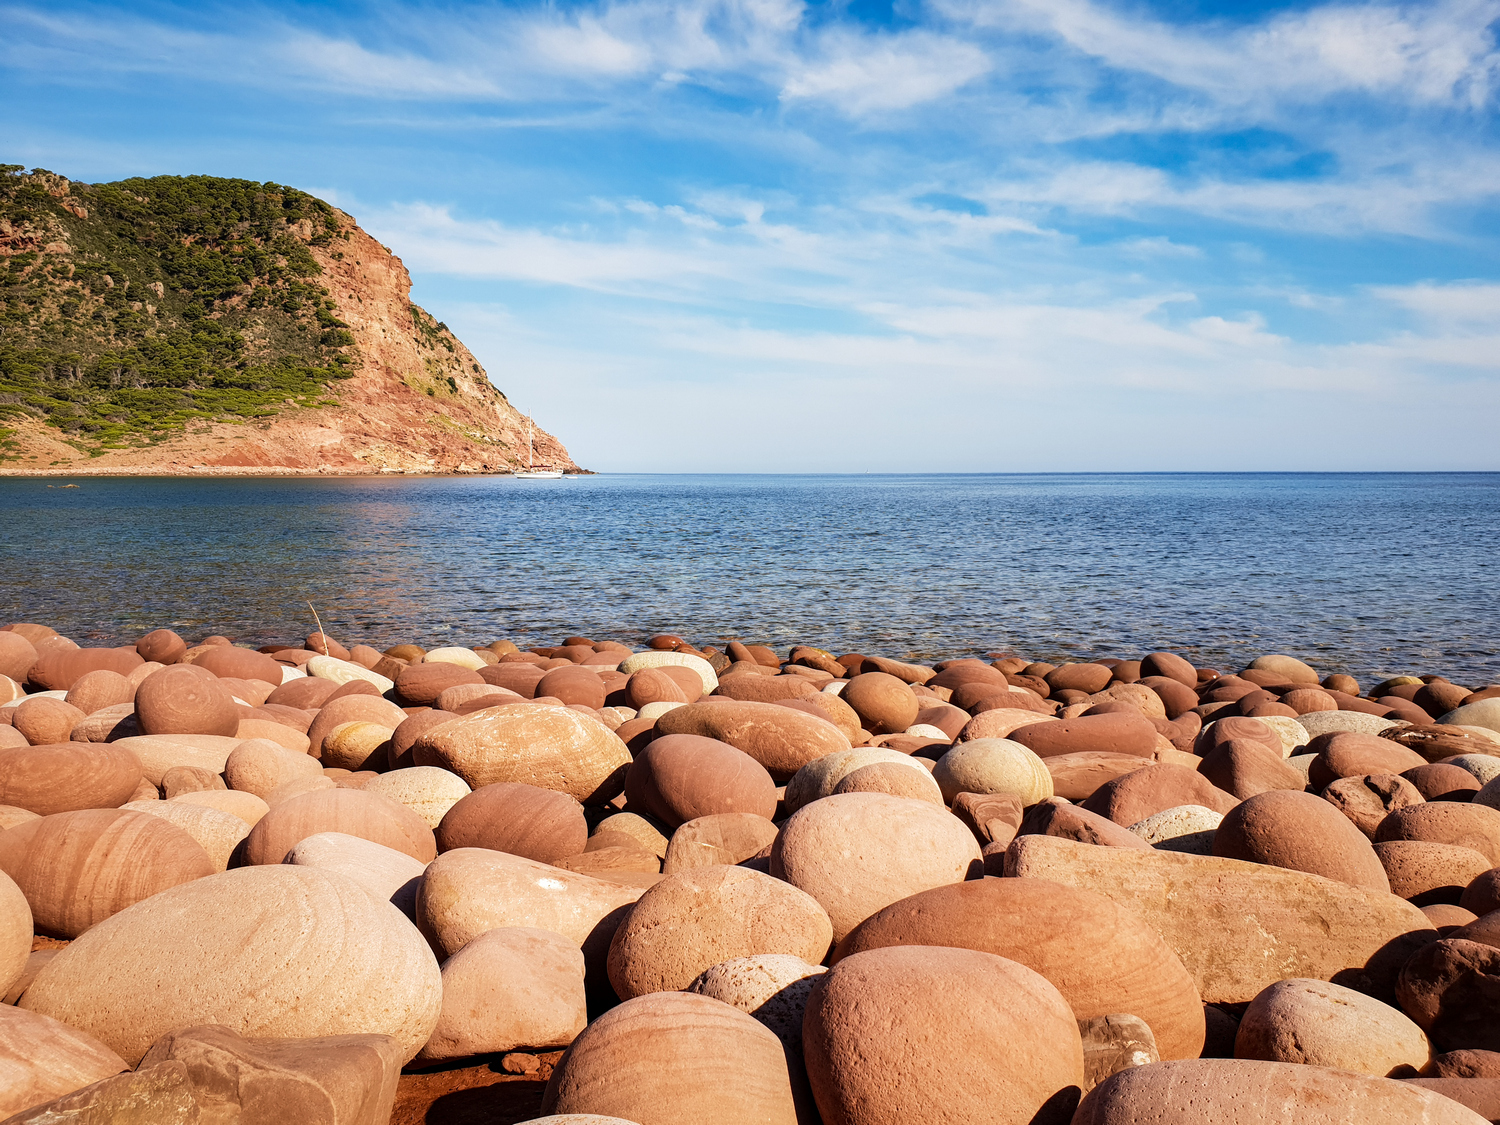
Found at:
[531, 472]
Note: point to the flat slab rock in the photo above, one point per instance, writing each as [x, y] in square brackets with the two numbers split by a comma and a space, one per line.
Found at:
[1238, 926]
[208, 1075]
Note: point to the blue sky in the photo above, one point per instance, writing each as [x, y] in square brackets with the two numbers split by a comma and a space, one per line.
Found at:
[746, 235]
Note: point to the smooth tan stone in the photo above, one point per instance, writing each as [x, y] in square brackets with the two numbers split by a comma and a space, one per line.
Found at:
[104, 725]
[723, 838]
[350, 709]
[533, 744]
[260, 766]
[68, 776]
[16, 932]
[643, 831]
[218, 833]
[1186, 828]
[1237, 926]
[858, 852]
[1322, 1024]
[358, 745]
[158, 753]
[41, 1059]
[634, 663]
[779, 738]
[680, 777]
[1331, 722]
[694, 919]
[820, 777]
[247, 806]
[345, 671]
[868, 1065]
[351, 811]
[1249, 1092]
[384, 872]
[509, 988]
[772, 987]
[11, 815]
[470, 890]
[184, 779]
[1101, 957]
[276, 951]
[429, 791]
[77, 869]
[1484, 714]
[463, 657]
[993, 765]
[892, 779]
[674, 1058]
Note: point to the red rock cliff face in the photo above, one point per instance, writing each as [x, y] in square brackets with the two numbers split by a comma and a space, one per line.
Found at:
[419, 401]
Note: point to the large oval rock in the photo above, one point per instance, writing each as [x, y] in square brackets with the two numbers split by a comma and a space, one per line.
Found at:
[819, 778]
[17, 655]
[351, 709]
[1119, 733]
[1250, 1092]
[218, 833]
[421, 684]
[1301, 832]
[384, 872]
[509, 988]
[183, 699]
[159, 753]
[1103, 958]
[350, 811]
[278, 951]
[261, 766]
[1350, 754]
[858, 852]
[16, 931]
[993, 765]
[428, 791]
[68, 776]
[772, 987]
[635, 662]
[884, 704]
[673, 1058]
[42, 719]
[1133, 797]
[694, 919]
[870, 1065]
[1243, 769]
[1237, 926]
[57, 668]
[78, 868]
[1425, 873]
[778, 738]
[1451, 988]
[41, 1059]
[1322, 1024]
[1444, 822]
[539, 824]
[537, 744]
[470, 890]
[680, 777]
[1079, 776]
[229, 662]
[724, 838]
[1484, 713]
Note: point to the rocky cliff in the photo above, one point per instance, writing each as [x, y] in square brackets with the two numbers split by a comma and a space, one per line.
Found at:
[202, 325]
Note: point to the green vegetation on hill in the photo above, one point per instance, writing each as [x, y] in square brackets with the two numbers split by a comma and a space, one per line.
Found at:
[128, 309]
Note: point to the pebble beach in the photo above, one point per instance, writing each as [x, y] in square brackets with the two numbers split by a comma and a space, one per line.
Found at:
[691, 882]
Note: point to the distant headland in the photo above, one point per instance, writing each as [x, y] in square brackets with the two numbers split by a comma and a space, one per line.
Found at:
[202, 326]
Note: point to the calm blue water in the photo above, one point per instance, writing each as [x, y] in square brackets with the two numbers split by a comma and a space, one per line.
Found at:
[1369, 574]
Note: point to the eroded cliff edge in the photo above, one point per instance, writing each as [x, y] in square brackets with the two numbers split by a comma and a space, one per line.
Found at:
[197, 325]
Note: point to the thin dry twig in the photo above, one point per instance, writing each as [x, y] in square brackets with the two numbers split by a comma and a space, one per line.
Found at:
[321, 633]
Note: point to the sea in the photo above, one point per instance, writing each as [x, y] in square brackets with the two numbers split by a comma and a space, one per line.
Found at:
[1367, 574]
